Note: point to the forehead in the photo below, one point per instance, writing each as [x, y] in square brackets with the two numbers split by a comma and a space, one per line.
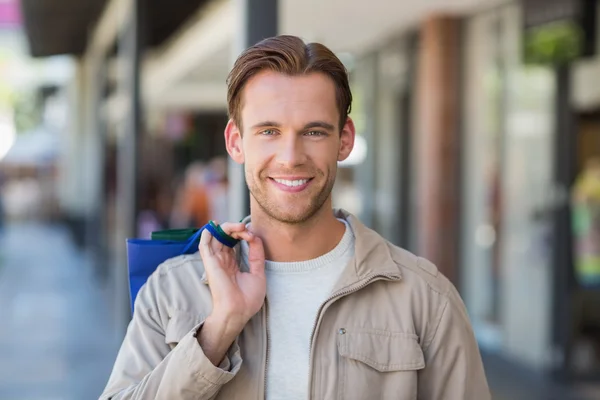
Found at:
[287, 99]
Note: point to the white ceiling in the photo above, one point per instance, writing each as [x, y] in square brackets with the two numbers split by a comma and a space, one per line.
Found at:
[348, 26]
[356, 25]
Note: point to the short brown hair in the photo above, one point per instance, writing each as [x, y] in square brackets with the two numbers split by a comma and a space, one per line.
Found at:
[288, 55]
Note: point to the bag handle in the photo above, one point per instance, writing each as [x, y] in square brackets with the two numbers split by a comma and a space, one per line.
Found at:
[217, 233]
[193, 239]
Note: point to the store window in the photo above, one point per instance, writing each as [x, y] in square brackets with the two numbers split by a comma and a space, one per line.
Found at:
[374, 183]
[507, 180]
[485, 93]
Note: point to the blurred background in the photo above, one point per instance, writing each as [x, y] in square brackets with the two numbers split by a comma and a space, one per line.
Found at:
[478, 147]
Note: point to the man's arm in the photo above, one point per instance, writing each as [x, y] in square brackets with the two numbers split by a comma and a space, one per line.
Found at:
[146, 367]
[453, 366]
[216, 337]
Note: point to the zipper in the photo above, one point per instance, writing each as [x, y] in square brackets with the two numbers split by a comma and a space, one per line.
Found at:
[266, 312]
[362, 284]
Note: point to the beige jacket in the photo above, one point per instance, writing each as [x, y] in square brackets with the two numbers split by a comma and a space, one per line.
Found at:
[393, 328]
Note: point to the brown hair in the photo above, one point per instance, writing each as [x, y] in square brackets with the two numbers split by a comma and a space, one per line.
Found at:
[291, 56]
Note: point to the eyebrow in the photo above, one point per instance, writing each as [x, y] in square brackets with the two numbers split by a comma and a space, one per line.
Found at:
[310, 125]
[319, 124]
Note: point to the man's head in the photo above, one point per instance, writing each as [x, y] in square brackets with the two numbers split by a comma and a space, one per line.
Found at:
[288, 107]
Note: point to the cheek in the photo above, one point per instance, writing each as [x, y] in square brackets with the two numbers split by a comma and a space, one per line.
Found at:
[323, 155]
[255, 155]
[261, 151]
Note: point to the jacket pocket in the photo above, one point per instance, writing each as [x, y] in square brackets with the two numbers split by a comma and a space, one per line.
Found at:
[180, 324]
[377, 364]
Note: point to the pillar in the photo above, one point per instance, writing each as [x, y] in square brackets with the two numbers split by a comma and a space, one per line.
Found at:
[438, 143]
[131, 44]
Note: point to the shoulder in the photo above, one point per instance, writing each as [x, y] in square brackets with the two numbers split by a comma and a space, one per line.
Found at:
[178, 285]
[181, 265]
[419, 271]
[432, 294]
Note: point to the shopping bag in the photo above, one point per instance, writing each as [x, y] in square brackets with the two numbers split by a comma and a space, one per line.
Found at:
[145, 255]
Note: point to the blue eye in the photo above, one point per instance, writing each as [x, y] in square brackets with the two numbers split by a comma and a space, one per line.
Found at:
[315, 133]
[268, 132]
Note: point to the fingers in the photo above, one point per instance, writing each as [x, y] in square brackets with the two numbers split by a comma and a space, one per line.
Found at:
[231, 228]
[205, 244]
[244, 235]
[256, 256]
[235, 230]
[256, 252]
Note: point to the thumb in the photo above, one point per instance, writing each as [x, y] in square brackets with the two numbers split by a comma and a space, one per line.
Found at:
[256, 256]
[204, 245]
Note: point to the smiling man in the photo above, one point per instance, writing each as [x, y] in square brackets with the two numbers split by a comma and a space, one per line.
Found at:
[312, 304]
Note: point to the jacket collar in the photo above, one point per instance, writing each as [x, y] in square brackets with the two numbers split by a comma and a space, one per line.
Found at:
[372, 255]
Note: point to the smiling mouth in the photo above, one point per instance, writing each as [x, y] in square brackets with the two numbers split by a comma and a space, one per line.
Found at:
[292, 183]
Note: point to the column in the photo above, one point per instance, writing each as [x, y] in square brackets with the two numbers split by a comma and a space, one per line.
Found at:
[438, 143]
[130, 50]
[95, 151]
[365, 77]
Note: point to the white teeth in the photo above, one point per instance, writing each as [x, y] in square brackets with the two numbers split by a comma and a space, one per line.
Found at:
[291, 183]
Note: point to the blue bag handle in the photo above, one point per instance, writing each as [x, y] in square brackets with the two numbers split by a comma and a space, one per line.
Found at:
[193, 239]
[217, 233]
[144, 256]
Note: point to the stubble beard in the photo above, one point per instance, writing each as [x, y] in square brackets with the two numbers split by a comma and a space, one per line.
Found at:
[289, 215]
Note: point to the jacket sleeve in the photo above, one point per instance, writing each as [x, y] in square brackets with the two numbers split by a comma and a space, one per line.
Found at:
[147, 368]
[453, 365]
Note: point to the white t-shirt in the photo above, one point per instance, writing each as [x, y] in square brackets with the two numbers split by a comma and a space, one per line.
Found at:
[295, 291]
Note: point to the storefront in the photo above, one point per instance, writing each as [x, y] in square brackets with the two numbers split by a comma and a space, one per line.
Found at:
[518, 163]
[376, 183]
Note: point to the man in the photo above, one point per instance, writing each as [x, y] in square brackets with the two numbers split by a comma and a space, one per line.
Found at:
[336, 312]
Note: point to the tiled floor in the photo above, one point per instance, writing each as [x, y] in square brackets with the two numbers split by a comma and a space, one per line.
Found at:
[510, 381]
[56, 341]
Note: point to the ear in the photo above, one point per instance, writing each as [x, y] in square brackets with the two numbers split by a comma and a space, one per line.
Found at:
[347, 136]
[233, 142]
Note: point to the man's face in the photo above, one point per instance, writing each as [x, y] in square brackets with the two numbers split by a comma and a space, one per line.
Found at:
[290, 144]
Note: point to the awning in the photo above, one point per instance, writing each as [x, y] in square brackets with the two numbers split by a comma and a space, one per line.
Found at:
[57, 27]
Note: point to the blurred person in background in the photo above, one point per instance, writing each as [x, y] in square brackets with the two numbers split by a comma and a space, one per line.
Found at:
[217, 189]
[155, 211]
[191, 206]
[586, 223]
[336, 312]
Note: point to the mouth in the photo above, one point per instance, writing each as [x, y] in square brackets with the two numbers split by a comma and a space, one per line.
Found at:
[294, 185]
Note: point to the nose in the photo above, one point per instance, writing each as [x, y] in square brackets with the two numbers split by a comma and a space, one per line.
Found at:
[291, 152]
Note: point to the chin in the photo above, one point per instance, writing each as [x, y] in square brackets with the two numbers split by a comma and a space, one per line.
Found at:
[290, 214]
[290, 208]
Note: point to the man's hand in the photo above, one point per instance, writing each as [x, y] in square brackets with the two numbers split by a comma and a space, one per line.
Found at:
[237, 296]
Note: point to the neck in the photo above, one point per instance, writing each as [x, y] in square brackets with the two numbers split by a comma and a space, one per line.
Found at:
[297, 242]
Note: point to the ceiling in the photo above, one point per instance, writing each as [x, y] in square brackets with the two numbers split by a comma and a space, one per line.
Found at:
[346, 26]
[200, 59]
[356, 25]
[56, 27]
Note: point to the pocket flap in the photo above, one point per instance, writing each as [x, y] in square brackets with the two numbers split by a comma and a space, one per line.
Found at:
[382, 350]
[180, 324]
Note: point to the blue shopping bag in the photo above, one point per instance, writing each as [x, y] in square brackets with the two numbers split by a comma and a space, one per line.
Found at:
[145, 255]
